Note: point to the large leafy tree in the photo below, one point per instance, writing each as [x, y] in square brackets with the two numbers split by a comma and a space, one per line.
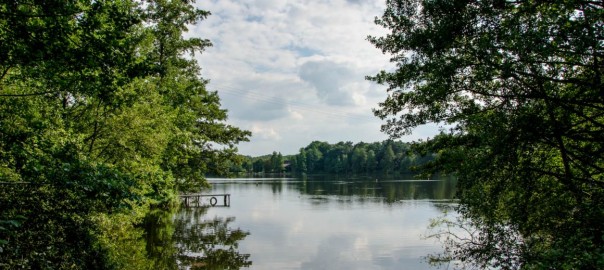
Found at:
[102, 111]
[521, 83]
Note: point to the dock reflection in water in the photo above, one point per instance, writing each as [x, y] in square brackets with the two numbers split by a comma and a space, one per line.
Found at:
[190, 239]
[307, 223]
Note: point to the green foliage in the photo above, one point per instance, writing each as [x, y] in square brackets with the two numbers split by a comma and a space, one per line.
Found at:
[190, 240]
[345, 158]
[301, 159]
[521, 84]
[103, 113]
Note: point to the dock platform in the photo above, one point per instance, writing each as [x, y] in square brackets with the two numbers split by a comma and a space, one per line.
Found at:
[196, 199]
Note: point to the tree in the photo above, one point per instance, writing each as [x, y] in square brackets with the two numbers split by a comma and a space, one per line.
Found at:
[103, 113]
[293, 164]
[521, 84]
[314, 158]
[371, 161]
[248, 165]
[358, 159]
[258, 166]
[276, 162]
[387, 161]
[302, 161]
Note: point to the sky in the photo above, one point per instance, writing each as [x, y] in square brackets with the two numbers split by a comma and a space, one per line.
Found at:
[293, 72]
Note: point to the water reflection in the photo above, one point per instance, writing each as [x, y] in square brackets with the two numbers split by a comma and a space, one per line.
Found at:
[389, 191]
[189, 239]
[308, 223]
[321, 188]
[335, 223]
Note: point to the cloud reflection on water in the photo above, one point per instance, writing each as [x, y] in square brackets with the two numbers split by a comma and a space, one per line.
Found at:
[321, 225]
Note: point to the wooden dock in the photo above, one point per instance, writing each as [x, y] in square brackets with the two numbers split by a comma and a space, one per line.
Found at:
[195, 199]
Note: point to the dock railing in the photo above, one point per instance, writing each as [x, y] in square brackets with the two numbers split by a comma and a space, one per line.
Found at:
[195, 199]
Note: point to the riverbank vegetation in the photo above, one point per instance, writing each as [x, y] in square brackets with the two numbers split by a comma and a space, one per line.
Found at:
[521, 82]
[103, 116]
[343, 158]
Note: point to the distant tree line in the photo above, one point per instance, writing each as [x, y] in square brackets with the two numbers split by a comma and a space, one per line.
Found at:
[387, 157]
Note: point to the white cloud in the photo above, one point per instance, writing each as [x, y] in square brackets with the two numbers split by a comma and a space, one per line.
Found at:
[293, 71]
[265, 132]
[329, 80]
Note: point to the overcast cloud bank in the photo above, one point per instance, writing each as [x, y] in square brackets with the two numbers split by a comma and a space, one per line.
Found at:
[293, 71]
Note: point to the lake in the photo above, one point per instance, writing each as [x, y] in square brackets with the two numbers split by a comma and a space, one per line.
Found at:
[314, 223]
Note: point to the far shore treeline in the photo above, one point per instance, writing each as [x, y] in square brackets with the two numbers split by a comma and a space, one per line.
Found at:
[386, 157]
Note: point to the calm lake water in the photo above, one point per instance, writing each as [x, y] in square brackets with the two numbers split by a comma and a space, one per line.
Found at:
[314, 223]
